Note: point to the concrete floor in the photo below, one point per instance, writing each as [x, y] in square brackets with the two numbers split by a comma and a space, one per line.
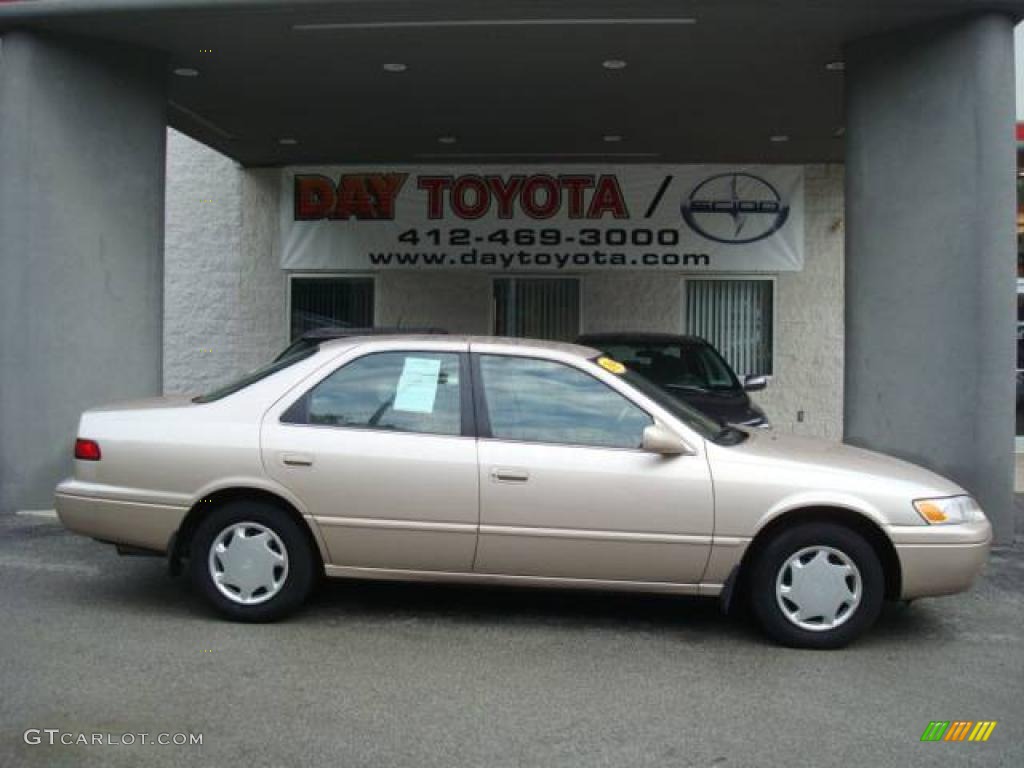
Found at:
[383, 675]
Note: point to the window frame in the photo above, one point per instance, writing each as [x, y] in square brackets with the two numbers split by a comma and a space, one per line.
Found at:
[483, 420]
[467, 410]
[581, 295]
[329, 274]
[772, 278]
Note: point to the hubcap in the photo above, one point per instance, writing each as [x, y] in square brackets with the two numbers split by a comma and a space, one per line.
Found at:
[248, 563]
[818, 588]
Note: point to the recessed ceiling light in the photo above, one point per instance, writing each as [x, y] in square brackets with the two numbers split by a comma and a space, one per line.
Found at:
[778, 138]
[612, 138]
[186, 72]
[836, 66]
[288, 141]
[394, 66]
[614, 64]
[446, 139]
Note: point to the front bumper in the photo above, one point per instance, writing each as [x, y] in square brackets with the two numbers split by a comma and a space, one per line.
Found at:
[119, 521]
[940, 559]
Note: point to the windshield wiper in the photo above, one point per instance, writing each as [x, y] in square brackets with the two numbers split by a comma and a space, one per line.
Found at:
[689, 388]
[712, 390]
[730, 435]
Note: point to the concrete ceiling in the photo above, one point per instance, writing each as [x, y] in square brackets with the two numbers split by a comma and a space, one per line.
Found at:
[511, 81]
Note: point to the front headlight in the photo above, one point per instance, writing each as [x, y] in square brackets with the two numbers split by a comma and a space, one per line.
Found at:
[950, 510]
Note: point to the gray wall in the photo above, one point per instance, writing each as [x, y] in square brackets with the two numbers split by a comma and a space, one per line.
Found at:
[82, 135]
[931, 253]
[225, 309]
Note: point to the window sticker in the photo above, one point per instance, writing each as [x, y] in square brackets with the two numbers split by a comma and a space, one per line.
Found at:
[417, 386]
[614, 366]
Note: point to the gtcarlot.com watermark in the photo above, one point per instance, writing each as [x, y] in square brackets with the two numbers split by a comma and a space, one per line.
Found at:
[55, 736]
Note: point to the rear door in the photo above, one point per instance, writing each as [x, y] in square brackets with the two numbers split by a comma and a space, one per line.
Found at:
[565, 489]
[381, 452]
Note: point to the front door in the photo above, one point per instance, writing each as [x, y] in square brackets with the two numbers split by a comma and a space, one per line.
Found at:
[378, 453]
[565, 490]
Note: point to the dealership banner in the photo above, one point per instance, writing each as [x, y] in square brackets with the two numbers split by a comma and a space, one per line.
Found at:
[543, 218]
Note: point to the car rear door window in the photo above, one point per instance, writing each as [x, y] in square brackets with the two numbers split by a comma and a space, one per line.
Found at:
[400, 391]
[544, 401]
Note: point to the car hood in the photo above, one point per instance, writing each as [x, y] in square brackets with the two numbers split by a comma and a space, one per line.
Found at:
[724, 407]
[828, 463]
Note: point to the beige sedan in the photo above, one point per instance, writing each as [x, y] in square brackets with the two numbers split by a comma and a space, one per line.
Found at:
[501, 461]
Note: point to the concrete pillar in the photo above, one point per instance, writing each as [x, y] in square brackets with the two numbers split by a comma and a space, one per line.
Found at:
[82, 134]
[931, 252]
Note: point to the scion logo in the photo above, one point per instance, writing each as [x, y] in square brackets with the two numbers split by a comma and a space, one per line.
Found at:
[735, 208]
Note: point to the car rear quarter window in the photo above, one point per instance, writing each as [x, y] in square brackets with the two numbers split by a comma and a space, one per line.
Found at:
[544, 401]
[417, 392]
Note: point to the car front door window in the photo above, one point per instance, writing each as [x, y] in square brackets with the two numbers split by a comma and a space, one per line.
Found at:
[543, 401]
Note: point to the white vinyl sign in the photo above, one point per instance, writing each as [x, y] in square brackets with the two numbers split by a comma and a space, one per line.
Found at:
[543, 218]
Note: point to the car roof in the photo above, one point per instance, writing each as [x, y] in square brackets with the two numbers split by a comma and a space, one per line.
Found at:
[642, 337]
[340, 332]
[492, 343]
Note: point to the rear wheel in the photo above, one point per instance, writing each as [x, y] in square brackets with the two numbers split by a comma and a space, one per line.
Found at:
[252, 561]
[817, 585]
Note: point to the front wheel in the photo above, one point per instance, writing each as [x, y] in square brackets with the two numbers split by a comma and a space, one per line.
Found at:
[817, 585]
[252, 561]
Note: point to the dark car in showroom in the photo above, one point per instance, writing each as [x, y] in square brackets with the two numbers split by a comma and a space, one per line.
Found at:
[689, 368]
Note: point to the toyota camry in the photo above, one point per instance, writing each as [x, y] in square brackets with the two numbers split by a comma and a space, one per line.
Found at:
[505, 461]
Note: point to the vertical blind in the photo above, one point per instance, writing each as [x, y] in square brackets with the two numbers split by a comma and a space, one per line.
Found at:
[319, 302]
[736, 317]
[538, 308]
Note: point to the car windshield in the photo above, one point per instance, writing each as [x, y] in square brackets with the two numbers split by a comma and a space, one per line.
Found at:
[702, 424]
[260, 373]
[683, 366]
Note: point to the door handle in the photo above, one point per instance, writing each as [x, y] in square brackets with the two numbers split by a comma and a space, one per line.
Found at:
[296, 460]
[510, 475]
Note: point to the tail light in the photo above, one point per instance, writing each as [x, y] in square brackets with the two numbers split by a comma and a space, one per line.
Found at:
[87, 450]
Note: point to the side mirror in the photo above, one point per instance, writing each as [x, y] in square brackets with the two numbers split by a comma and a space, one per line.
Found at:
[658, 439]
[755, 383]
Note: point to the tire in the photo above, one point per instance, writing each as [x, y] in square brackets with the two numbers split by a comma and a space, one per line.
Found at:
[264, 567]
[828, 606]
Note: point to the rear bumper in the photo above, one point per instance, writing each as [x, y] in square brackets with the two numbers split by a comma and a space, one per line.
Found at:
[941, 560]
[132, 523]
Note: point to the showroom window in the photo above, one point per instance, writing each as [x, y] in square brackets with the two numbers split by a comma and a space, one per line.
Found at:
[737, 317]
[537, 307]
[317, 301]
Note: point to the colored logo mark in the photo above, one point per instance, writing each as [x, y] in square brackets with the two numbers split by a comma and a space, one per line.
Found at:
[959, 730]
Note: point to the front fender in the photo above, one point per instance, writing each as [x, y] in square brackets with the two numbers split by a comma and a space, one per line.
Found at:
[803, 500]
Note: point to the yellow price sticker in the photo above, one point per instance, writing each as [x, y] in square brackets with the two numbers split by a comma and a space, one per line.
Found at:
[614, 366]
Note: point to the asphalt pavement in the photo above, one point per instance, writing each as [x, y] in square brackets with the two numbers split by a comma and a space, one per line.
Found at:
[380, 675]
